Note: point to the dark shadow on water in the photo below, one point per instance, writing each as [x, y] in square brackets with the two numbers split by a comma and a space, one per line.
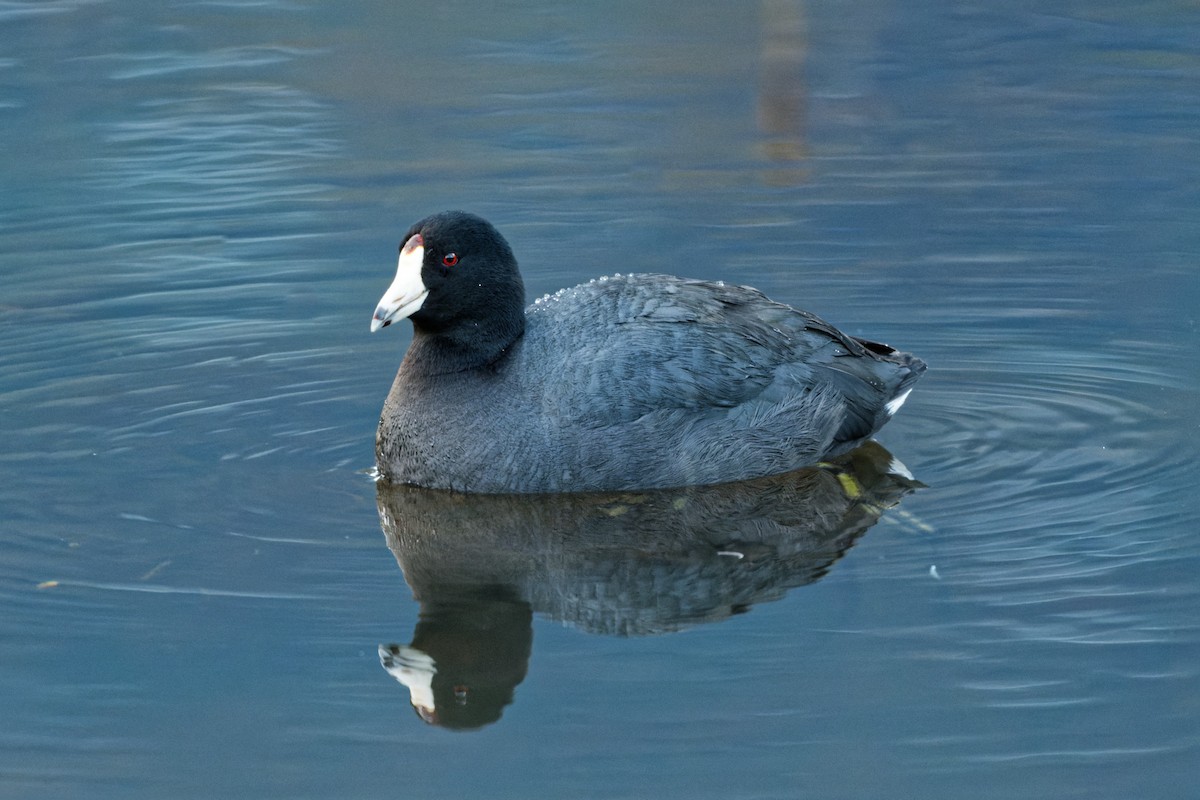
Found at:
[628, 564]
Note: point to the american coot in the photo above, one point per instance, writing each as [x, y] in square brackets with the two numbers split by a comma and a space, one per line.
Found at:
[626, 382]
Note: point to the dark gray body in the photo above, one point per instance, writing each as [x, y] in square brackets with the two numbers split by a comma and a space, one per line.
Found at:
[638, 382]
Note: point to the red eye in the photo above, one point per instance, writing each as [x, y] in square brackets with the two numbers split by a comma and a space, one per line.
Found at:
[450, 259]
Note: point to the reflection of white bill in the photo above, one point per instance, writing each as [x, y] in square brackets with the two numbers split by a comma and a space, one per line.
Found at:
[413, 668]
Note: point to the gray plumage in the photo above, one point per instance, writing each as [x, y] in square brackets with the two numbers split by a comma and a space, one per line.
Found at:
[626, 382]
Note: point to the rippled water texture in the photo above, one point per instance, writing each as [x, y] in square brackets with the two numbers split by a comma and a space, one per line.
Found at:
[205, 594]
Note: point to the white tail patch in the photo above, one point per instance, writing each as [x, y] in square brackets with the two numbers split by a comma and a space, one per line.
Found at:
[897, 468]
[893, 405]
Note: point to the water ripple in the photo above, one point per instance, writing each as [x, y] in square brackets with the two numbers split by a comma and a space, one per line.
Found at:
[1056, 522]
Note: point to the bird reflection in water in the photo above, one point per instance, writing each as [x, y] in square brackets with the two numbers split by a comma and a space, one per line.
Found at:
[628, 564]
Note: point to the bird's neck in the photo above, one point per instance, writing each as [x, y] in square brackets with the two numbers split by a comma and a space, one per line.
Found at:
[471, 345]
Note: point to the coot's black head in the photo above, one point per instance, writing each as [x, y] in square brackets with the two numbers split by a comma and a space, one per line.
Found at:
[456, 277]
